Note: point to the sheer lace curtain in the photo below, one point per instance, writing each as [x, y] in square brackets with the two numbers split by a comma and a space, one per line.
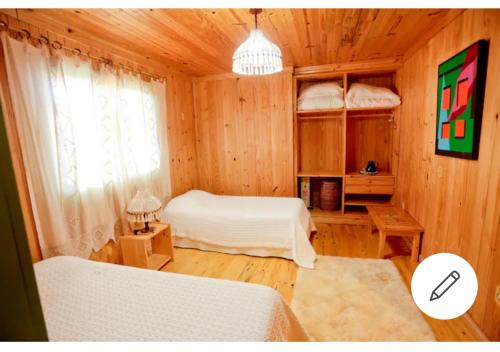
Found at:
[89, 140]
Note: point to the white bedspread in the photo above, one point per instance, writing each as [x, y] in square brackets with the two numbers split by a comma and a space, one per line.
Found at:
[84, 300]
[263, 226]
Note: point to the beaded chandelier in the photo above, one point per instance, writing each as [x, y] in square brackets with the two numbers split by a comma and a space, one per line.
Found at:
[257, 55]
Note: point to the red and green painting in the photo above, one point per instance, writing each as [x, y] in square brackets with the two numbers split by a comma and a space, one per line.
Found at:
[461, 82]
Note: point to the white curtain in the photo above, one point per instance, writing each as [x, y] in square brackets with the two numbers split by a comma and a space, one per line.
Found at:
[90, 138]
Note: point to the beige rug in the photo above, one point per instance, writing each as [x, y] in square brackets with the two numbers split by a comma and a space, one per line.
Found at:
[351, 299]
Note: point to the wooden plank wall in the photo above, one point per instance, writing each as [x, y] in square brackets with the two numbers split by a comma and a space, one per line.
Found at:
[456, 200]
[321, 145]
[369, 138]
[244, 134]
[181, 133]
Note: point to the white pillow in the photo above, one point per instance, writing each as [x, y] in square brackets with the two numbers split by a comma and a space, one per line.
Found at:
[323, 95]
[320, 102]
[365, 96]
[309, 90]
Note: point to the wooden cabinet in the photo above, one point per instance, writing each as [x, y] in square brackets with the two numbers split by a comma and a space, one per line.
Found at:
[150, 250]
[338, 143]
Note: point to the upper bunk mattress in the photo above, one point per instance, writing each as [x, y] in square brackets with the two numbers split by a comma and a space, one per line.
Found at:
[263, 226]
[84, 300]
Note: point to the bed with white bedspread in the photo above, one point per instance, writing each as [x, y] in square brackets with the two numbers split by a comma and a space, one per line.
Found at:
[84, 300]
[260, 226]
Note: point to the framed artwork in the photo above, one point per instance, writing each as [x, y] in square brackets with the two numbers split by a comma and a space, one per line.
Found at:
[460, 95]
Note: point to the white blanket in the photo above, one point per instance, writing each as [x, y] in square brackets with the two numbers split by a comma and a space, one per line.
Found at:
[84, 300]
[262, 226]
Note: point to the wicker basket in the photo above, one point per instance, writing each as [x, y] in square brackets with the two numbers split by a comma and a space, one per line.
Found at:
[330, 195]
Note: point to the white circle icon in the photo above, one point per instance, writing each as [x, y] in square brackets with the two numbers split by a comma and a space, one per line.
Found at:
[444, 286]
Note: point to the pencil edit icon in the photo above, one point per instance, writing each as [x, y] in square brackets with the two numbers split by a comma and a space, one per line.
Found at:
[445, 285]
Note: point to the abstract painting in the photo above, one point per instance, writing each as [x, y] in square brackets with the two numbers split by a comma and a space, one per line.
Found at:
[460, 95]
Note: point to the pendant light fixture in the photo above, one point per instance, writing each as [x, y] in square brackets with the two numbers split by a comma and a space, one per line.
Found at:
[257, 55]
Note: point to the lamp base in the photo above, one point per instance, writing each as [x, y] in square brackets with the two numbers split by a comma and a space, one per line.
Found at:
[146, 229]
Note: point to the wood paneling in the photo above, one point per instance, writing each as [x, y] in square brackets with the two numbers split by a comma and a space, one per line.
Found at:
[181, 133]
[202, 41]
[375, 79]
[456, 200]
[369, 138]
[321, 146]
[336, 70]
[87, 42]
[244, 134]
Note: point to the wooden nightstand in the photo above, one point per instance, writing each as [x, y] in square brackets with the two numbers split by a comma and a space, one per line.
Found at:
[150, 250]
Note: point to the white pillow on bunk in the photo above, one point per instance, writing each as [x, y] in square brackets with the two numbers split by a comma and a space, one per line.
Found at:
[365, 96]
[324, 95]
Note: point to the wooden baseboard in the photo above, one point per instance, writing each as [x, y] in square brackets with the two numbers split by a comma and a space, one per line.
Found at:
[474, 327]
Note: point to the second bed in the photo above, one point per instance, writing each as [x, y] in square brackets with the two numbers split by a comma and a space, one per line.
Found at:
[260, 226]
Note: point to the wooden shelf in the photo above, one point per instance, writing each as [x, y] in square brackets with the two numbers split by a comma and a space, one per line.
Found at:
[372, 108]
[317, 212]
[319, 117]
[370, 112]
[319, 173]
[306, 74]
[357, 173]
[367, 201]
[337, 113]
[359, 212]
[156, 260]
[320, 114]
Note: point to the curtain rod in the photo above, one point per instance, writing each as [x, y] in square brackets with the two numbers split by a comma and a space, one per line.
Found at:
[57, 45]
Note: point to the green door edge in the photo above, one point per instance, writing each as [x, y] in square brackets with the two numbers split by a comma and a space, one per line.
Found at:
[21, 317]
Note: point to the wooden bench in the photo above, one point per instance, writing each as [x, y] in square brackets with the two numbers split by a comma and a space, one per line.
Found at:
[394, 221]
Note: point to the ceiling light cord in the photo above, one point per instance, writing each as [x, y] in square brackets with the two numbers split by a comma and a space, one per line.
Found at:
[255, 13]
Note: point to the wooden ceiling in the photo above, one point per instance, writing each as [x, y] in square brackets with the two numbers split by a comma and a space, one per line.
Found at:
[202, 41]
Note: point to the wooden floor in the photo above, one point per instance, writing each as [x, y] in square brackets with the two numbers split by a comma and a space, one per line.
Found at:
[336, 240]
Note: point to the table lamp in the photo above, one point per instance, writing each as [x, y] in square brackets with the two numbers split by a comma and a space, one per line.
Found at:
[144, 207]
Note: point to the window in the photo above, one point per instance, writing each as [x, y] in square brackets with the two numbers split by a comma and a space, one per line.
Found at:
[90, 136]
[107, 127]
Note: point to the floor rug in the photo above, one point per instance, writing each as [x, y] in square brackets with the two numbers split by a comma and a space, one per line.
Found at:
[354, 299]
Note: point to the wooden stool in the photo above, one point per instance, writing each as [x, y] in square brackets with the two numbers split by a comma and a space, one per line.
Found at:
[394, 221]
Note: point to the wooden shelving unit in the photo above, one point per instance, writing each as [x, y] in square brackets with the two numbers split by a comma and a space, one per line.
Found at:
[337, 143]
[319, 173]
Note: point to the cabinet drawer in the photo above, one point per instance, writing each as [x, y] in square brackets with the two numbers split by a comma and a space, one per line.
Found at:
[369, 189]
[369, 185]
